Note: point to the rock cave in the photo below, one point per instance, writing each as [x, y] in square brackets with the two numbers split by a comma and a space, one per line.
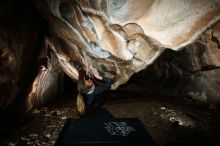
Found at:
[163, 55]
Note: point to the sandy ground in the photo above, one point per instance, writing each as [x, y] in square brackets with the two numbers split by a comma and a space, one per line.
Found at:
[167, 119]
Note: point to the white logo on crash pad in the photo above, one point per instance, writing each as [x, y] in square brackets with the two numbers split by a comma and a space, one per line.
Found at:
[118, 128]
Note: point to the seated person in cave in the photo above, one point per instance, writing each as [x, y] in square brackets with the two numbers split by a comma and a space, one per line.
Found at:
[90, 91]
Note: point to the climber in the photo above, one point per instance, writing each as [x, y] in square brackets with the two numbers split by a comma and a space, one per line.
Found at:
[90, 91]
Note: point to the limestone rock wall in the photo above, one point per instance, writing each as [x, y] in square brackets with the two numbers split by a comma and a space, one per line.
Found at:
[97, 33]
[192, 72]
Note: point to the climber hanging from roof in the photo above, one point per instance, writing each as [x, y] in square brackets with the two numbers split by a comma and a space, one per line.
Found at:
[90, 89]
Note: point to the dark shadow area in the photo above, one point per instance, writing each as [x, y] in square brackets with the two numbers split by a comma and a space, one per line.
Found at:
[24, 29]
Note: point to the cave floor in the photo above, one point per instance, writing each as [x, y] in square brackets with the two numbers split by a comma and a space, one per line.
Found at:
[166, 120]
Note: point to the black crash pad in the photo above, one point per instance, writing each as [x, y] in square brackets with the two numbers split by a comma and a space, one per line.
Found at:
[103, 129]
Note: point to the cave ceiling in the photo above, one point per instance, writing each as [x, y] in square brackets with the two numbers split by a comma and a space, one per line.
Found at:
[117, 37]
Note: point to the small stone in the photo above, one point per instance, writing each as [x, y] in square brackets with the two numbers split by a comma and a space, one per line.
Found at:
[47, 115]
[33, 135]
[53, 142]
[180, 123]
[48, 135]
[162, 108]
[25, 138]
[59, 113]
[64, 118]
[36, 111]
[43, 143]
[197, 96]
[172, 119]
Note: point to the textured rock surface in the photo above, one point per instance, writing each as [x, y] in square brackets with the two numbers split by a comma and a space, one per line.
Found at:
[118, 37]
[97, 33]
[193, 71]
[204, 86]
[205, 79]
